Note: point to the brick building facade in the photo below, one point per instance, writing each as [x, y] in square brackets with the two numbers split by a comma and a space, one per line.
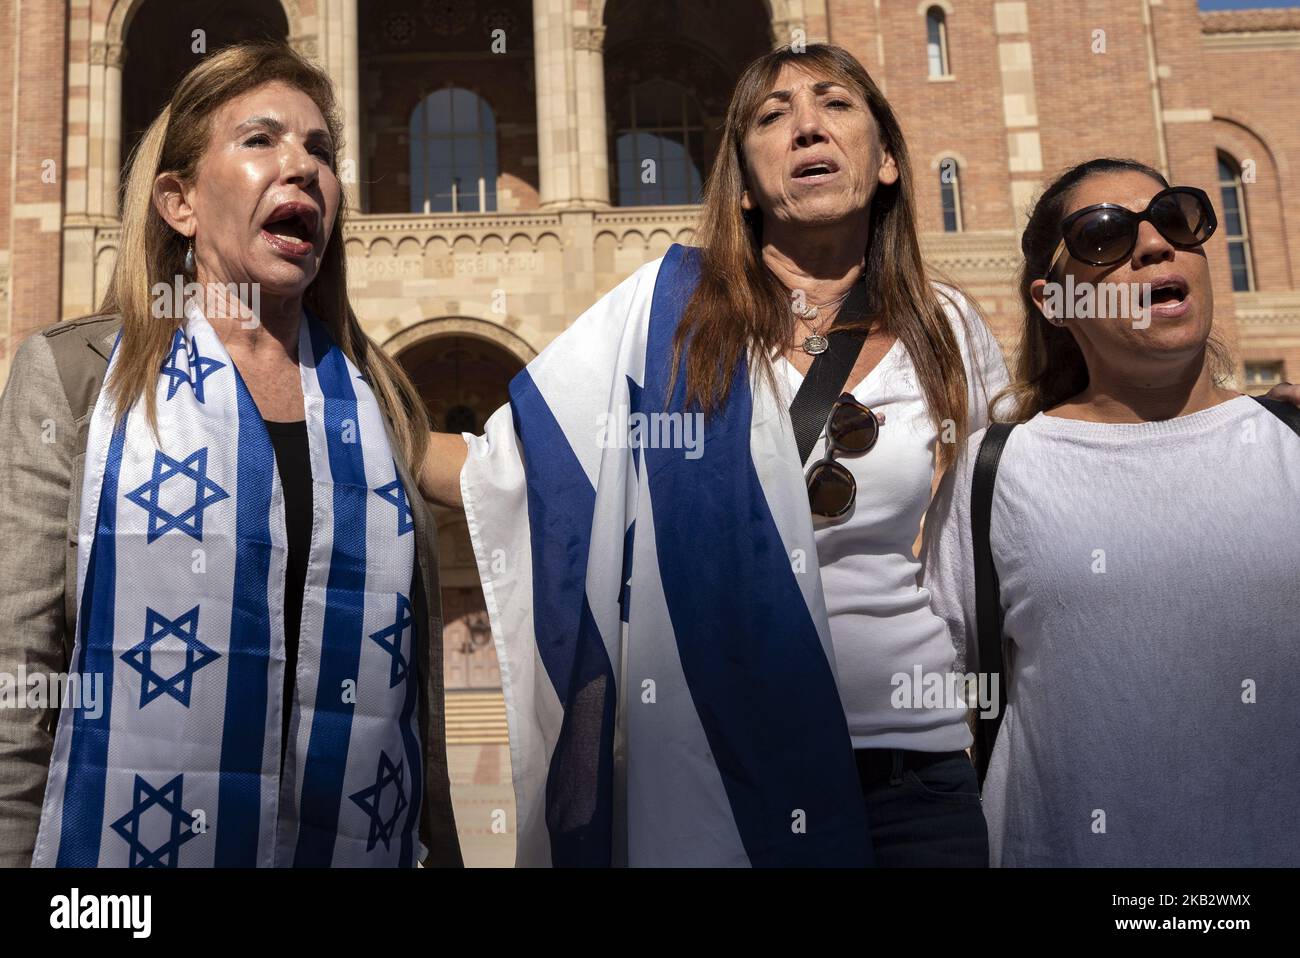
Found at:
[1001, 93]
[494, 146]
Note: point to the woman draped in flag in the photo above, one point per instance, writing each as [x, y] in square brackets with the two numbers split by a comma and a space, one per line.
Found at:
[250, 600]
[700, 646]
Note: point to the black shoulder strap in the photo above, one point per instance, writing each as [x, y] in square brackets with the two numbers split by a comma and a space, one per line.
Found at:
[988, 601]
[1288, 413]
[828, 374]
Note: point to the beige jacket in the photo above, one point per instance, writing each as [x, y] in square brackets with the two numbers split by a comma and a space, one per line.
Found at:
[44, 423]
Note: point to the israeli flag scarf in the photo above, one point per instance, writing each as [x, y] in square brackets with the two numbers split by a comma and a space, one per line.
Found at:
[656, 603]
[180, 591]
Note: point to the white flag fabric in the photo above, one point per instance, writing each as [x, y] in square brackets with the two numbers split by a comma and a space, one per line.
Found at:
[180, 587]
[655, 600]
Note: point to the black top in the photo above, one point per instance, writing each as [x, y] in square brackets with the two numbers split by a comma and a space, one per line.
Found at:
[293, 462]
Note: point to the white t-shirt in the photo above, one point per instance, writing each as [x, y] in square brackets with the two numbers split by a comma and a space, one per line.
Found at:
[1149, 580]
[880, 618]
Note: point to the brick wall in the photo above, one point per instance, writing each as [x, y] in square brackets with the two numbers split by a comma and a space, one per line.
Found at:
[35, 160]
[1026, 78]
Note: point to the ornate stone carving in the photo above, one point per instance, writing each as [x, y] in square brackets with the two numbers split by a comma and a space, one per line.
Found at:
[306, 45]
[460, 325]
[447, 17]
[505, 21]
[991, 253]
[398, 29]
[1268, 309]
[103, 53]
[589, 38]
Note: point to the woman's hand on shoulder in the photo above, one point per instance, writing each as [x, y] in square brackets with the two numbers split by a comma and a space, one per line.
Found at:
[440, 474]
[1286, 392]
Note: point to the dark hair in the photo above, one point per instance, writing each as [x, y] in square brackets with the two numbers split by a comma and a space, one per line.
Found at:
[741, 310]
[1049, 366]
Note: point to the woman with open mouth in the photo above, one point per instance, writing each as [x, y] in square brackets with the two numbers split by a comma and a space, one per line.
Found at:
[700, 652]
[1131, 557]
[252, 570]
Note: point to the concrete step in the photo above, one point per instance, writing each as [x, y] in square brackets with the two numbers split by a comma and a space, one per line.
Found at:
[477, 718]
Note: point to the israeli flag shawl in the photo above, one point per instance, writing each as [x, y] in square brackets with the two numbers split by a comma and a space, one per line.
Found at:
[180, 587]
[657, 609]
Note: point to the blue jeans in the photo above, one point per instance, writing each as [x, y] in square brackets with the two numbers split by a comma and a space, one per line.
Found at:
[923, 809]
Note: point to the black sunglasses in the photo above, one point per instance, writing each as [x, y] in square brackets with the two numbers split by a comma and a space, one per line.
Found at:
[852, 429]
[1106, 234]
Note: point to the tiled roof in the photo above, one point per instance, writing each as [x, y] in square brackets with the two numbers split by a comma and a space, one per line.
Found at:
[1250, 21]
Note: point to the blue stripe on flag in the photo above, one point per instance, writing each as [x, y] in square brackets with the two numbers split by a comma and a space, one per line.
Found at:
[331, 731]
[561, 503]
[625, 588]
[243, 739]
[414, 761]
[749, 649]
[83, 792]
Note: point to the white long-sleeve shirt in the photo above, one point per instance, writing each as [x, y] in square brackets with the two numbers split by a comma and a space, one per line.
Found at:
[1150, 577]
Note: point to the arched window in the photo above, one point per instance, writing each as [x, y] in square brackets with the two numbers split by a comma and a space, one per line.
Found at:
[453, 135]
[1232, 202]
[950, 194]
[936, 41]
[658, 131]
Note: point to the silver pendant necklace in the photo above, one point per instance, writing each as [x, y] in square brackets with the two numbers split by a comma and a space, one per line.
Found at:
[816, 343]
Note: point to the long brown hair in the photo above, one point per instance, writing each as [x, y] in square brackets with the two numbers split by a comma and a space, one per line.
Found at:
[740, 309]
[152, 252]
[1049, 367]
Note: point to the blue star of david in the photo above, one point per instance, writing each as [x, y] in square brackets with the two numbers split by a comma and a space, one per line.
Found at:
[369, 801]
[174, 373]
[401, 623]
[197, 655]
[182, 823]
[395, 493]
[206, 492]
[201, 367]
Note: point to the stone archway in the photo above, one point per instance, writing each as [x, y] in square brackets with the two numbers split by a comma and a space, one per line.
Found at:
[462, 368]
[124, 11]
[484, 329]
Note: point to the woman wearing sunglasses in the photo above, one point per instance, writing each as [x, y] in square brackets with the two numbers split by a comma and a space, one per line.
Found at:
[739, 615]
[1144, 533]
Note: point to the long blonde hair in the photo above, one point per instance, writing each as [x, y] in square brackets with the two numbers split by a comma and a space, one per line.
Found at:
[741, 310]
[151, 252]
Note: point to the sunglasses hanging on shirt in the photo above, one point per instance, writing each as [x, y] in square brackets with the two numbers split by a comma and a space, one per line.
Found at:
[851, 428]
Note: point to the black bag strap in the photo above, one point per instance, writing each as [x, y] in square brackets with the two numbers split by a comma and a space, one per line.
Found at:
[988, 601]
[829, 372]
[1288, 413]
[988, 598]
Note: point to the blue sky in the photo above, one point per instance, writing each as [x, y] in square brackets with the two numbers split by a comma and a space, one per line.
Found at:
[1246, 4]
